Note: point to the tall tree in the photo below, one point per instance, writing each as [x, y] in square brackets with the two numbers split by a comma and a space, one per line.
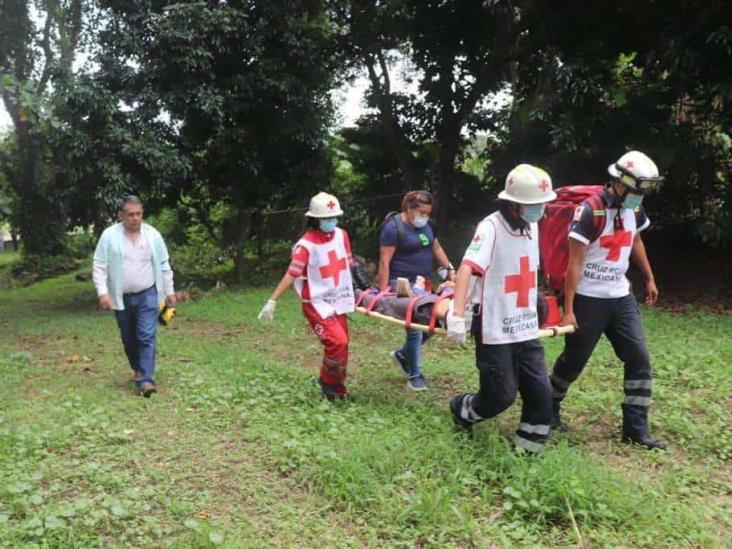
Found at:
[242, 89]
[461, 51]
[595, 79]
[38, 42]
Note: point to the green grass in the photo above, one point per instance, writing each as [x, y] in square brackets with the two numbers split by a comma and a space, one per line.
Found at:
[8, 257]
[237, 449]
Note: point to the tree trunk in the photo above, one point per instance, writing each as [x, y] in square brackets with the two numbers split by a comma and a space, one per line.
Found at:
[445, 177]
[40, 220]
[241, 232]
[397, 140]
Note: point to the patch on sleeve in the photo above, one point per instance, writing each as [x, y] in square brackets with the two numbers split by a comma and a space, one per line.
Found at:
[577, 214]
[476, 243]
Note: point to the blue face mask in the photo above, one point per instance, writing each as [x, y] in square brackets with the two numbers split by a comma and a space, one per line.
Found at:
[328, 225]
[532, 212]
[632, 201]
[420, 221]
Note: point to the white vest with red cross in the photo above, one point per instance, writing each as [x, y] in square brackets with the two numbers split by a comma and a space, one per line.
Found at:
[509, 287]
[328, 277]
[607, 259]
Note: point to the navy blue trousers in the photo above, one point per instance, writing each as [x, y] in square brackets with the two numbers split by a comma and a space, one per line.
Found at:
[138, 324]
[505, 371]
[619, 319]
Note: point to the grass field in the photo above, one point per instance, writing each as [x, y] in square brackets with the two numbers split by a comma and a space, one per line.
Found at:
[238, 450]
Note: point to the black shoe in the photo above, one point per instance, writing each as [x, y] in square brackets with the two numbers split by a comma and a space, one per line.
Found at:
[460, 424]
[556, 421]
[330, 392]
[401, 361]
[646, 441]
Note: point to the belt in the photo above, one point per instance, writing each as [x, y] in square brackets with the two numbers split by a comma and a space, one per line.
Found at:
[132, 294]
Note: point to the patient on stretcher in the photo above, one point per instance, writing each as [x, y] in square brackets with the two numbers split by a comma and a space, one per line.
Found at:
[427, 308]
[396, 304]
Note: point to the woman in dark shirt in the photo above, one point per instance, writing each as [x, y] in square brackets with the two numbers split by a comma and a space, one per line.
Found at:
[408, 247]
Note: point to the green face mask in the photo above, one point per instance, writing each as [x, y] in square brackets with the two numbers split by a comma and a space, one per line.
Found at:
[632, 200]
[531, 213]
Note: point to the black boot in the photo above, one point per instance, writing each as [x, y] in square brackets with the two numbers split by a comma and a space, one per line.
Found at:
[461, 425]
[645, 440]
[556, 422]
[635, 428]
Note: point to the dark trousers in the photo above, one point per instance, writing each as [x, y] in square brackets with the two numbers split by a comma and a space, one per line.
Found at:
[505, 371]
[619, 319]
[138, 323]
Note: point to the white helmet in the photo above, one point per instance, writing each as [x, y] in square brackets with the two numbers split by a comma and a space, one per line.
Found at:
[635, 170]
[527, 184]
[324, 205]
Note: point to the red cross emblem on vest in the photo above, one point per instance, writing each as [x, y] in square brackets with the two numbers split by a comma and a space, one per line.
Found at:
[615, 243]
[521, 283]
[333, 268]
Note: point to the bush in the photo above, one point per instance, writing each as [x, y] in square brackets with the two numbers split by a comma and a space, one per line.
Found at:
[200, 262]
[78, 248]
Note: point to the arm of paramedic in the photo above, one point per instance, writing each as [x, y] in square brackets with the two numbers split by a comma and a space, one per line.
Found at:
[385, 255]
[577, 252]
[298, 264]
[462, 282]
[442, 259]
[284, 283]
[640, 258]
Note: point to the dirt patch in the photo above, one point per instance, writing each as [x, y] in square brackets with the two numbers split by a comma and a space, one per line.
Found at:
[207, 330]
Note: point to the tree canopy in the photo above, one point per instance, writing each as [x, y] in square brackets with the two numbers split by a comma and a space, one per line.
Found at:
[224, 110]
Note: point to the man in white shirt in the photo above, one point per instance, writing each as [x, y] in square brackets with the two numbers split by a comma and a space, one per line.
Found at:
[132, 276]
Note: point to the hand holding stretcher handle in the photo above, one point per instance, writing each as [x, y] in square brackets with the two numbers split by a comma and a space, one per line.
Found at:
[456, 330]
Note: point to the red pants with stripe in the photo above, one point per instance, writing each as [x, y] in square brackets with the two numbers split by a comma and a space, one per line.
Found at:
[333, 334]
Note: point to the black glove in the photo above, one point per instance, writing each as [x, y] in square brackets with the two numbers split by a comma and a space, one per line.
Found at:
[360, 281]
[542, 309]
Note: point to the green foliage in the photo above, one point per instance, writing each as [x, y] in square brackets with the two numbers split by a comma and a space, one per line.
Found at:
[33, 268]
[659, 85]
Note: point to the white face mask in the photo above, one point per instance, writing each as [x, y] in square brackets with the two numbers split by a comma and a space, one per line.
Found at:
[420, 221]
[531, 213]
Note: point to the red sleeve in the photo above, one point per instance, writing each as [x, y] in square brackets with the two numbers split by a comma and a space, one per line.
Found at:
[299, 261]
[347, 245]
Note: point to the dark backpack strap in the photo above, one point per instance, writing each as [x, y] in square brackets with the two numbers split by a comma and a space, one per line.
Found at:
[397, 217]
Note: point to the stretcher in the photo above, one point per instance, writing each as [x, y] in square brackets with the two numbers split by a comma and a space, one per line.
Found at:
[432, 327]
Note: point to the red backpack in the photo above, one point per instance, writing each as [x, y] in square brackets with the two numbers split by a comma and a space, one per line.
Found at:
[554, 229]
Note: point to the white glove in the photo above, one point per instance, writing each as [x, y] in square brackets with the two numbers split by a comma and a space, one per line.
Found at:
[267, 312]
[455, 327]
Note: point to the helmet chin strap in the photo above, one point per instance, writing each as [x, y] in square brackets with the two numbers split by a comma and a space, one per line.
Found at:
[618, 220]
